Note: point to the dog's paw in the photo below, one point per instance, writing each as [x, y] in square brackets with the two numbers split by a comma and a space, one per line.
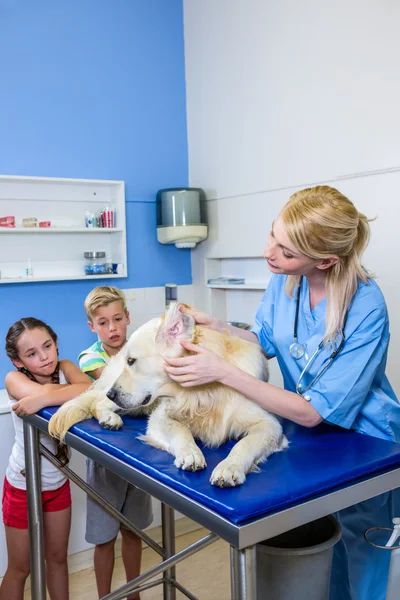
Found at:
[111, 421]
[227, 474]
[190, 461]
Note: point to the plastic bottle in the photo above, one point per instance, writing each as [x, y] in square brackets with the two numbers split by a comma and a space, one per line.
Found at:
[90, 219]
[29, 270]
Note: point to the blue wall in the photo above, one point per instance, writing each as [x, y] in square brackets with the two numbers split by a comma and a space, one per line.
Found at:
[94, 89]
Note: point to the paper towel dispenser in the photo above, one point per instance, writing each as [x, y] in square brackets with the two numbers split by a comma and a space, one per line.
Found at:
[180, 217]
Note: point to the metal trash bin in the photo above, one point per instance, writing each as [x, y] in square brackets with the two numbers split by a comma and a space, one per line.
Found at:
[297, 564]
[239, 324]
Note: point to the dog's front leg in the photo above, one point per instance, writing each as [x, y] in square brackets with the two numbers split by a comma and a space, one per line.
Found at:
[72, 412]
[262, 439]
[105, 412]
[168, 434]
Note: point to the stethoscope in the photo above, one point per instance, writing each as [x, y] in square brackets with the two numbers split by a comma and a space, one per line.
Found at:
[297, 351]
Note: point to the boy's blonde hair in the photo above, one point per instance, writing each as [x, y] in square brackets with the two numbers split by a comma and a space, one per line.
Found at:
[103, 296]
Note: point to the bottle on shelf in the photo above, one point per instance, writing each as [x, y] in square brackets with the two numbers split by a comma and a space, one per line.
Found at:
[29, 269]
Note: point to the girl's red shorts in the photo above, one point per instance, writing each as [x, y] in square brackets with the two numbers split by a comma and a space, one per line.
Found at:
[15, 504]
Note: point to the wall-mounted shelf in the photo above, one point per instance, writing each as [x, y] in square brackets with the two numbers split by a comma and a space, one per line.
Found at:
[56, 253]
[48, 230]
[236, 302]
[54, 278]
[257, 285]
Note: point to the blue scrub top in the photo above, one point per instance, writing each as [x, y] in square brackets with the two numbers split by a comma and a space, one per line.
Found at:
[354, 392]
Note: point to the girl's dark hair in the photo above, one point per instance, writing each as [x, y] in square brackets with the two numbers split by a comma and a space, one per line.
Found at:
[12, 337]
[15, 332]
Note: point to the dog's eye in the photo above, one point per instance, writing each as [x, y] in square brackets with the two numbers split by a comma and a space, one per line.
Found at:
[131, 361]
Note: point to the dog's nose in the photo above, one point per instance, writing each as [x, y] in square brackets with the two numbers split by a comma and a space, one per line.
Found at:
[112, 394]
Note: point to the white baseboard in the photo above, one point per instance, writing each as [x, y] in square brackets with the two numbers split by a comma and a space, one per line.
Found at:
[84, 560]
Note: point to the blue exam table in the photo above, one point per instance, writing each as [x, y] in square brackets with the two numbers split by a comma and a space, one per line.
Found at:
[325, 469]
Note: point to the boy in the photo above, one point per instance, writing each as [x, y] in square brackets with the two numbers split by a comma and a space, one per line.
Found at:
[108, 317]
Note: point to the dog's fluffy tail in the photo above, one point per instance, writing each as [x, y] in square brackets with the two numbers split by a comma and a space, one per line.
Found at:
[70, 413]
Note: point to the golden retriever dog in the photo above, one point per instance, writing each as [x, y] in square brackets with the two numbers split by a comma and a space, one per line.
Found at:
[134, 382]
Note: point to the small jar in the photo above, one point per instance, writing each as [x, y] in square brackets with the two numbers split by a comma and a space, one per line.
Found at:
[95, 263]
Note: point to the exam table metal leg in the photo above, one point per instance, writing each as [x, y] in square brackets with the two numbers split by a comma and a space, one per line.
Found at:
[100, 500]
[243, 574]
[168, 540]
[35, 512]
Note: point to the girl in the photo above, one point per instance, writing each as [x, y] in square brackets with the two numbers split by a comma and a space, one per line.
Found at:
[325, 320]
[41, 380]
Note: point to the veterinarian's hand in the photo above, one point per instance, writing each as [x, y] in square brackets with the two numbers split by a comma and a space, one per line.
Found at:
[202, 367]
[30, 405]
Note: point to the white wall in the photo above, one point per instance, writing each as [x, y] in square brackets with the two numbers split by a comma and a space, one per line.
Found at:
[281, 95]
[143, 304]
[284, 93]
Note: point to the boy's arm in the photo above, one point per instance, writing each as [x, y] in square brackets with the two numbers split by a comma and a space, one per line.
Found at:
[92, 363]
[97, 372]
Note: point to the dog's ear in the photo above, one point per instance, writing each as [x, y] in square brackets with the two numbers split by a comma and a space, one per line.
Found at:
[176, 326]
